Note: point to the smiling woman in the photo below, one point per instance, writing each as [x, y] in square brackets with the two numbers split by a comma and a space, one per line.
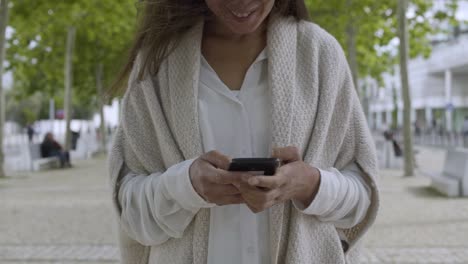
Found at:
[216, 79]
[164, 22]
[240, 17]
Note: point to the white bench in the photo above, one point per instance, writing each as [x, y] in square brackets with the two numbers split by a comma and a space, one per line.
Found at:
[38, 163]
[453, 181]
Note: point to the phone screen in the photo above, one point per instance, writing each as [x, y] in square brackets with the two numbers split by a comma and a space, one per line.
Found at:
[257, 166]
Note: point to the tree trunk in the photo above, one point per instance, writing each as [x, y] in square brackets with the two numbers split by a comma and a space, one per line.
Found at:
[68, 85]
[351, 32]
[3, 24]
[395, 108]
[99, 73]
[404, 50]
[352, 56]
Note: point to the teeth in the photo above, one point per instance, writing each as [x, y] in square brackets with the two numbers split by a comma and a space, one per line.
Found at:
[240, 15]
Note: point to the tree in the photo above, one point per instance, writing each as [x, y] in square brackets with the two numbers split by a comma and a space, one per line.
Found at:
[24, 111]
[3, 23]
[68, 84]
[403, 35]
[367, 27]
[351, 46]
[104, 29]
[100, 91]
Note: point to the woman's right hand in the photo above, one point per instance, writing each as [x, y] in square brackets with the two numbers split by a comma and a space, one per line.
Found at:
[213, 182]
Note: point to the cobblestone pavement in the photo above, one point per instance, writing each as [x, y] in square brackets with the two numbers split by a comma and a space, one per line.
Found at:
[65, 216]
[58, 216]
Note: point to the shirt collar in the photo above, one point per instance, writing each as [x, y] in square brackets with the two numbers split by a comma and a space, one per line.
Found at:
[261, 57]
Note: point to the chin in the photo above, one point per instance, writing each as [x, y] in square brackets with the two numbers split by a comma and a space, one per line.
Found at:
[244, 30]
[244, 25]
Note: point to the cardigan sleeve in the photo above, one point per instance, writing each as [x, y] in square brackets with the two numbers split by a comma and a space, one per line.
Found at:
[159, 206]
[342, 199]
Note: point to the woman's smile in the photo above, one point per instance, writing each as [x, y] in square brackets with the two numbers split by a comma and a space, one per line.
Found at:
[239, 16]
[243, 10]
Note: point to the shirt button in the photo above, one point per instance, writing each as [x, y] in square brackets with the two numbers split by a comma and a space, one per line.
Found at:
[250, 250]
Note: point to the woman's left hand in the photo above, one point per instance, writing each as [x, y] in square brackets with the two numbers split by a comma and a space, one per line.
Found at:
[295, 180]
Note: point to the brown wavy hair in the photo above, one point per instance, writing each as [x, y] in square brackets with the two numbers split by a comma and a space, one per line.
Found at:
[163, 22]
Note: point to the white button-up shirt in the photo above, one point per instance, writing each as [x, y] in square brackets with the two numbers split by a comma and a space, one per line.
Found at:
[236, 123]
[240, 129]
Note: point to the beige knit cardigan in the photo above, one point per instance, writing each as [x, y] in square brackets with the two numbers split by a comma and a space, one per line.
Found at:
[315, 107]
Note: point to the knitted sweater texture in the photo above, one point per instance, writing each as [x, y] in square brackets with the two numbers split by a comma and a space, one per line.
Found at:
[315, 107]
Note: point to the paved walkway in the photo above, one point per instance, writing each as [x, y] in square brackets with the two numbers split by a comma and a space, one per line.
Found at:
[59, 216]
[65, 216]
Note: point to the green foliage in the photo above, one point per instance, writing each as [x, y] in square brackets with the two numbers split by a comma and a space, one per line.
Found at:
[376, 26]
[37, 49]
[23, 110]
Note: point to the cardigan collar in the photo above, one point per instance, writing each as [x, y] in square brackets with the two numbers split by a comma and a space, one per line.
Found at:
[183, 83]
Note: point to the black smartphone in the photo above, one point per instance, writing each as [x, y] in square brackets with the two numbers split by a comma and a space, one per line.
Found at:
[259, 166]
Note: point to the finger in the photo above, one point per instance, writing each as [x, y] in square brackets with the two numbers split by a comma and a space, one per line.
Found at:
[247, 189]
[256, 206]
[253, 209]
[217, 159]
[221, 190]
[258, 196]
[231, 199]
[250, 198]
[215, 192]
[245, 183]
[226, 177]
[287, 154]
[269, 182]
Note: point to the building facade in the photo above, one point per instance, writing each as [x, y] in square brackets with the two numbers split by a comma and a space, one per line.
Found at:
[438, 88]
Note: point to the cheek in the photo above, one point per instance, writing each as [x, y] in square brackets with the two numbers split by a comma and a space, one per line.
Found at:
[269, 5]
[215, 6]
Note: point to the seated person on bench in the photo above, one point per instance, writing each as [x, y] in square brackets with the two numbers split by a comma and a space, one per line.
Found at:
[51, 148]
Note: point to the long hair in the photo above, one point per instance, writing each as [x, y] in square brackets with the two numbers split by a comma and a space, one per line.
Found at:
[161, 25]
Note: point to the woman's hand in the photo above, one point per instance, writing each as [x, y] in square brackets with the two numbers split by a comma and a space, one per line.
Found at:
[295, 180]
[213, 182]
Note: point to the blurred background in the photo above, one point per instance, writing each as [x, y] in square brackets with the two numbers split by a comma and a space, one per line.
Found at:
[409, 60]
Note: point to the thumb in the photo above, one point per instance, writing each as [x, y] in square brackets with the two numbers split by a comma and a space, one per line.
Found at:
[217, 159]
[287, 154]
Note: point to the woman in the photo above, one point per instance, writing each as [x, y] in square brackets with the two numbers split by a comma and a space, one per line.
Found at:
[51, 148]
[216, 79]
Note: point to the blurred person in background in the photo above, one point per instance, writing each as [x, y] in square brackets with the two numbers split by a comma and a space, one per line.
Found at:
[215, 79]
[51, 148]
[30, 132]
[465, 132]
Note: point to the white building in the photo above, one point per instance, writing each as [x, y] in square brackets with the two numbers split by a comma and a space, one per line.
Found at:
[438, 88]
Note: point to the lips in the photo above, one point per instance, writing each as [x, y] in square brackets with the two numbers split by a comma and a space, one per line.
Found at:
[243, 10]
[242, 14]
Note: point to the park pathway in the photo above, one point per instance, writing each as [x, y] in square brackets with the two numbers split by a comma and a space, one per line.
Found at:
[65, 216]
